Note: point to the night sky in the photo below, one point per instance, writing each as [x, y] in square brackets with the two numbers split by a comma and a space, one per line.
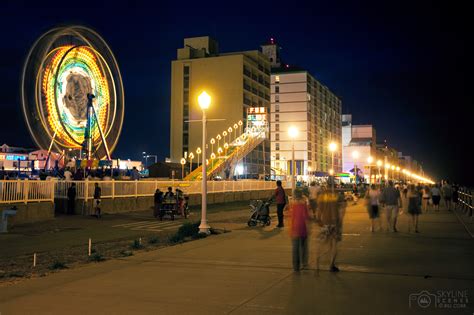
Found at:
[401, 67]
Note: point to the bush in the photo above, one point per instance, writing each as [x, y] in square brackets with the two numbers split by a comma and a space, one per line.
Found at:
[57, 265]
[136, 244]
[199, 236]
[176, 238]
[126, 253]
[189, 229]
[96, 257]
[153, 240]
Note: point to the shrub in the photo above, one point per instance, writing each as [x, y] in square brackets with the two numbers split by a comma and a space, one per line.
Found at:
[96, 257]
[126, 253]
[199, 235]
[136, 244]
[153, 240]
[57, 265]
[189, 229]
[176, 238]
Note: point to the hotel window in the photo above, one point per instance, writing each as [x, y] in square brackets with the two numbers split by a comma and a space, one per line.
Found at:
[277, 127]
[277, 146]
[277, 98]
[277, 89]
[277, 156]
[277, 117]
[277, 108]
[277, 137]
[277, 79]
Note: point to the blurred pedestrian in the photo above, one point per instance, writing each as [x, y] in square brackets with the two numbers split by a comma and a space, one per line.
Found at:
[314, 190]
[299, 215]
[373, 202]
[435, 196]
[329, 218]
[425, 198]
[71, 199]
[158, 200]
[280, 197]
[96, 201]
[414, 207]
[392, 202]
[455, 196]
[447, 192]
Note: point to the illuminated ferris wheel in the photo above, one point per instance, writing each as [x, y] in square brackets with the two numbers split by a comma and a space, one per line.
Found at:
[72, 93]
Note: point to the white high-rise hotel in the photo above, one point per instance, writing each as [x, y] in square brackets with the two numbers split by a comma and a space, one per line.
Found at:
[299, 100]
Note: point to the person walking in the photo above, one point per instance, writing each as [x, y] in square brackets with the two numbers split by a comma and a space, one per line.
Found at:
[280, 198]
[447, 192]
[71, 199]
[313, 196]
[372, 198]
[455, 196]
[425, 198]
[158, 200]
[414, 208]
[329, 217]
[299, 215]
[393, 204]
[436, 196]
[97, 196]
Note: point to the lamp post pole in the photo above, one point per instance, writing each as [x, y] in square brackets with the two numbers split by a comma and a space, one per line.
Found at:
[293, 132]
[204, 101]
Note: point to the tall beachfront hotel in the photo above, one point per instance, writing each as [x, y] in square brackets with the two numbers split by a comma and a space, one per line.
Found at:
[299, 100]
[238, 83]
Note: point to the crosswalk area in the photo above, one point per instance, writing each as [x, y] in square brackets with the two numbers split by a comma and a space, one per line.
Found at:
[150, 225]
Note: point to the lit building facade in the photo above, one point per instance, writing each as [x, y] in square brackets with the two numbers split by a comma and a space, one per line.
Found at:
[299, 100]
[359, 149]
[236, 82]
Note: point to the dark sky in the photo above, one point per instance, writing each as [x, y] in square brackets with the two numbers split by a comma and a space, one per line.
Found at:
[403, 67]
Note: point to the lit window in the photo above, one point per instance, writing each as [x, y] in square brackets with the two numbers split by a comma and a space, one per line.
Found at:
[277, 79]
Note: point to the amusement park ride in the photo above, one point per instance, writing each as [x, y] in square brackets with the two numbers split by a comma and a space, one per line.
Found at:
[72, 94]
[228, 158]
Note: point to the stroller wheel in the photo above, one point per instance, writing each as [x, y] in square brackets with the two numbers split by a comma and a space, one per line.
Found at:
[251, 223]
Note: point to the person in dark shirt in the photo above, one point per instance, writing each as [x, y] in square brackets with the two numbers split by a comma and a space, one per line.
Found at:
[97, 195]
[280, 198]
[158, 202]
[71, 199]
[169, 194]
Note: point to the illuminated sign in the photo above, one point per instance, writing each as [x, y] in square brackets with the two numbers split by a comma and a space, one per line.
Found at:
[256, 116]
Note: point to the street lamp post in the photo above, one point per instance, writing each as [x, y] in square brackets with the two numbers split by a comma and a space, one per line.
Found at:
[370, 160]
[198, 152]
[355, 156]
[293, 133]
[204, 101]
[379, 164]
[183, 162]
[332, 148]
[191, 157]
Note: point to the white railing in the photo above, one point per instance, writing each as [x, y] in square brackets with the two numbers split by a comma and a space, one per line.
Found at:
[23, 191]
[16, 191]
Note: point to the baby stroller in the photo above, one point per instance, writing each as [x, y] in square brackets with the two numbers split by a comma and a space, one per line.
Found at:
[260, 213]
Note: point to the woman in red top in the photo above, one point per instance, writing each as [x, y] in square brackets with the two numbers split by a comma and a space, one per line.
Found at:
[298, 230]
[280, 198]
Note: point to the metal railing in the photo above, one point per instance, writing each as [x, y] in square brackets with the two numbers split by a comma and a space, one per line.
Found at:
[24, 191]
[465, 200]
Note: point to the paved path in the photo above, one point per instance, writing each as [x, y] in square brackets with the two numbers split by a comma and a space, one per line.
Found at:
[248, 271]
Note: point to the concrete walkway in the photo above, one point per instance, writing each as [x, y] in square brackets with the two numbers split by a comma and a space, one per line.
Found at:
[248, 271]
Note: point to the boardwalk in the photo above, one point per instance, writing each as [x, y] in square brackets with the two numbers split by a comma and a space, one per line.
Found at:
[248, 271]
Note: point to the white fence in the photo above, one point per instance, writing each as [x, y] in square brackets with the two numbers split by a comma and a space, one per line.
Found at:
[12, 191]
